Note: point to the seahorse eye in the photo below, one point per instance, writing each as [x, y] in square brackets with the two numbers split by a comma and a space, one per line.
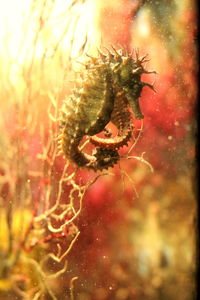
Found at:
[125, 74]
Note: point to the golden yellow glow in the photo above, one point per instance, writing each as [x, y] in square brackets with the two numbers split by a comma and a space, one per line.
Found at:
[38, 38]
[20, 224]
[143, 24]
[13, 15]
[33, 29]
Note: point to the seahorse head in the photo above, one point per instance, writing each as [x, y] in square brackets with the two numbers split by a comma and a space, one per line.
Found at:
[127, 77]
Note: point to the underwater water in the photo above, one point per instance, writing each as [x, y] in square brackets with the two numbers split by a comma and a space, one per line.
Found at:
[126, 232]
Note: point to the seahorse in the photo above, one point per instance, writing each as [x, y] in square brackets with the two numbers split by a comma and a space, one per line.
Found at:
[111, 85]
